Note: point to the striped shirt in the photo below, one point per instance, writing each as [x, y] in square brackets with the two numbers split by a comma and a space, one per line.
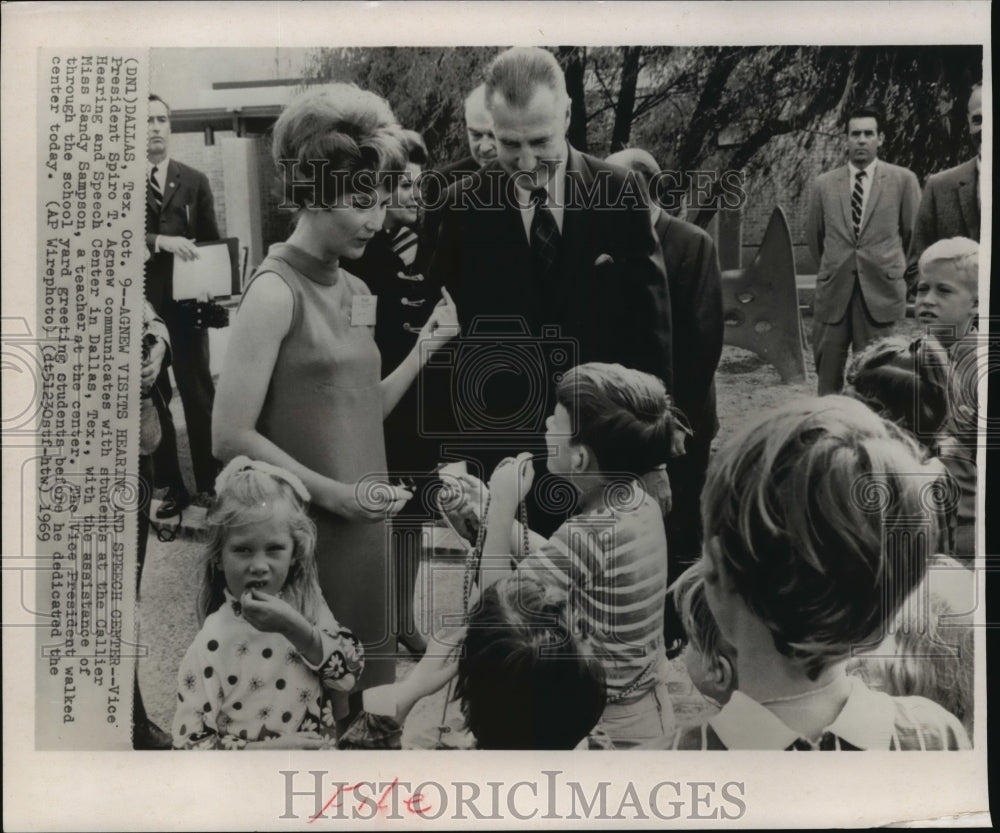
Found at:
[612, 564]
[869, 720]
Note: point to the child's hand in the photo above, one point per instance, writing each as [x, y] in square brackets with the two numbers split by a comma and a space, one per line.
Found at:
[269, 613]
[512, 479]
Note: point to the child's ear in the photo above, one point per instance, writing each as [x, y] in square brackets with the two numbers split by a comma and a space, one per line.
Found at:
[726, 674]
[580, 457]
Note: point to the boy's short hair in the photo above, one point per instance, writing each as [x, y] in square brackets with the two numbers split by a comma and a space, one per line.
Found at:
[624, 416]
[823, 514]
[963, 255]
[524, 681]
[905, 381]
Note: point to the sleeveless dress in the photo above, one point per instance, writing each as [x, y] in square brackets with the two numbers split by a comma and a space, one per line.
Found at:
[324, 408]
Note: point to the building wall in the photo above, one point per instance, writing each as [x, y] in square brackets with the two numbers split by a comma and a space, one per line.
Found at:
[190, 148]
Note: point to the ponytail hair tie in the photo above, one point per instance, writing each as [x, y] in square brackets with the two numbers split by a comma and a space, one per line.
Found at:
[244, 463]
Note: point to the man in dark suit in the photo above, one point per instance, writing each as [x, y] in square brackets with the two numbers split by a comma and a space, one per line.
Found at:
[179, 213]
[950, 204]
[559, 245]
[859, 227]
[479, 132]
[695, 281]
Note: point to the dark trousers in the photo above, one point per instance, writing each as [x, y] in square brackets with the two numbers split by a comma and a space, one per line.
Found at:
[683, 525]
[189, 356]
[831, 342]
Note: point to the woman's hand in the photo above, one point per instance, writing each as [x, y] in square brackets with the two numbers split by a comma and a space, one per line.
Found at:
[367, 500]
[511, 480]
[442, 326]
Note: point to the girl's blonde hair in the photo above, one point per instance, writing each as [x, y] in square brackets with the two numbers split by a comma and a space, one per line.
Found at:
[931, 654]
[823, 514]
[248, 495]
[700, 627]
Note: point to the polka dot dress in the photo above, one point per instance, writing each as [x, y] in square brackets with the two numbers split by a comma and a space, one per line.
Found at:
[237, 684]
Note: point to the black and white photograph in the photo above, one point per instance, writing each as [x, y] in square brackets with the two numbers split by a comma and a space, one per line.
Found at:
[502, 397]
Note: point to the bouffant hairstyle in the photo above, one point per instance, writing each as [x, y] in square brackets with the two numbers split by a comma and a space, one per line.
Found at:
[415, 148]
[624, 416]
[333, 140]
[524, 680]
[822, 514]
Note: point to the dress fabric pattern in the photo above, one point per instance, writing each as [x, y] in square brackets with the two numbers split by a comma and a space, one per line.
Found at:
[237, 684]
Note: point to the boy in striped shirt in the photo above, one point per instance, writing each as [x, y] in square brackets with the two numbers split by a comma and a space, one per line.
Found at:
[611, 425]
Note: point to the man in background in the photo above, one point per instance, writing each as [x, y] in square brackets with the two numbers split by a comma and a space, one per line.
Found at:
[859, 228]
[180, 212]
[950, 205]
[695, 282]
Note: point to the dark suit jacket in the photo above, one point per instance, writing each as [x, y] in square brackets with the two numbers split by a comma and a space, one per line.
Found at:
[878, 258]
[188, 211]
[949, 207]
[612, 299]
[697, 329]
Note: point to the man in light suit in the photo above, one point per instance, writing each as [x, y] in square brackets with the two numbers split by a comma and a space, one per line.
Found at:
[557, 241]
[180, 212]
[859, 228]
[950, 204]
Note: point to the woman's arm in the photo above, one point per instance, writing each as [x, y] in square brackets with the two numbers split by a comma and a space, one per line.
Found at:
[264, 319]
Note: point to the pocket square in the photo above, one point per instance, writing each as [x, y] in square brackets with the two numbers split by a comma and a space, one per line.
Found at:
[604, 260]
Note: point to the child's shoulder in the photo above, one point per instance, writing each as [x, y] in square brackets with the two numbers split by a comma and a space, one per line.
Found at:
[922, 724]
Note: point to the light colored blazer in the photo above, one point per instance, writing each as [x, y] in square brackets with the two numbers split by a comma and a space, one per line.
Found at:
[878, 257]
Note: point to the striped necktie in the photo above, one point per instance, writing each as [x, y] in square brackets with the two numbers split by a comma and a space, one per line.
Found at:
[544, 236]
[154, 188]
[857, 202]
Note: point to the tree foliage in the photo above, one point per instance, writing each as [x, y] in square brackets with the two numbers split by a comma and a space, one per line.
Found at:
[767, 110]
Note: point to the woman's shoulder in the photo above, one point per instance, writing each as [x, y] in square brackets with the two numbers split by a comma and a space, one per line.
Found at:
[355, 285]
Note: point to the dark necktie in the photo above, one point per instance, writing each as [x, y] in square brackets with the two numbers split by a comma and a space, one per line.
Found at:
[154, 189]
[857, 202]
[544, 238]
[827, 743]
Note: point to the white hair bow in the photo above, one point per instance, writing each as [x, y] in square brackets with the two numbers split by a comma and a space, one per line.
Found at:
[243, 463]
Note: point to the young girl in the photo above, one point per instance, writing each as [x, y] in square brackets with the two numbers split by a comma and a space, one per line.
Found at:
[930, 651]
[816, 531]
[269, 649]
[610, 426]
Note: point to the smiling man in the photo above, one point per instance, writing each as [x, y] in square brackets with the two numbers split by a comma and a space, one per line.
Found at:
[860, 222]
[559, 245]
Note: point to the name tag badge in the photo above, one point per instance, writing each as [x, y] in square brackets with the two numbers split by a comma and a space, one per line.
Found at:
[363, 310]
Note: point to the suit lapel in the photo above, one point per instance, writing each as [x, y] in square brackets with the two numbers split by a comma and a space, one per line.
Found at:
[576, 231]
[967, 198]
[172, 184]
[844, 178]
[878, 186]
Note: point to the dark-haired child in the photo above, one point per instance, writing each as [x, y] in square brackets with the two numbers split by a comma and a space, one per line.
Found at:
[610, 426]
[524, 680]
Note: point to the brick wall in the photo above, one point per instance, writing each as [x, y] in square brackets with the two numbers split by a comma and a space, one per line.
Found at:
[190, 148]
